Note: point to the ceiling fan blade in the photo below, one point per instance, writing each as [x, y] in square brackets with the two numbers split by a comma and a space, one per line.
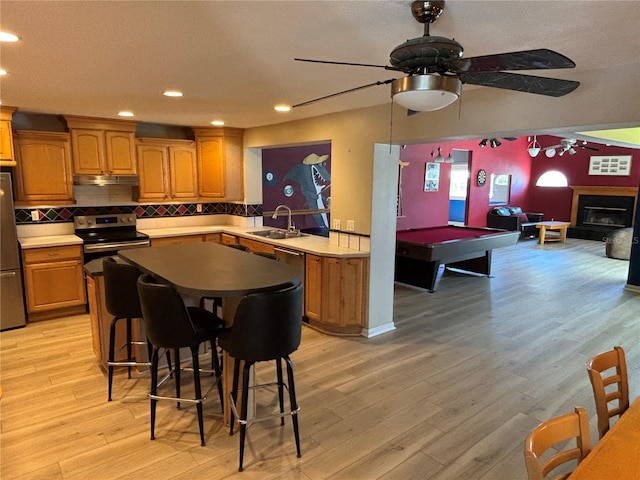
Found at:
[330, 62]
[589, 148]
[552, 87]
[540, 59]
[381, 82]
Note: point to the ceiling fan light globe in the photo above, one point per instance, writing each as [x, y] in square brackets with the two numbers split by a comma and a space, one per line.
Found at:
[425, 93]
[550, 153]
[534, 151]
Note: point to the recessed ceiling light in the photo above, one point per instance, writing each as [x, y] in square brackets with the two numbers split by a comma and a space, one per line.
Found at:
[217, 123]
[172, 93]
[282, 108]
[3, 71]
[125, 113]
[8, 37]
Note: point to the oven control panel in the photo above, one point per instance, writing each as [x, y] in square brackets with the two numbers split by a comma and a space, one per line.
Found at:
[81, 222]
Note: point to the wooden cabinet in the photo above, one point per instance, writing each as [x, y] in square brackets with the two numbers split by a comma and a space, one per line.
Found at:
[179, 240]
[336, 293]
[100, 319]
[256, 246]
[43, 168]
[54, 282]
[102, 146]
[7, 158]
[220, 163]
[167, 170]
[213, 237]
[226, 239]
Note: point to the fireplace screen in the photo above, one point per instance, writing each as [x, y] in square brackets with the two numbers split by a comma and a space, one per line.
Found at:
[602, 216]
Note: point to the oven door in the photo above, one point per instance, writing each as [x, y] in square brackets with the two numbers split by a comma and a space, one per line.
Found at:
[92, 251]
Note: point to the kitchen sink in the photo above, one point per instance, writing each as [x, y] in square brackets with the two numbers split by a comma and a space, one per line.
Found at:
[277, 233]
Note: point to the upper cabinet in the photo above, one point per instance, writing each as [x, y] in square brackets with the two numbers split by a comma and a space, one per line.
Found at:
[7, 158]
[167, 170]
[220, 163]
[102, 146]
[43, 168]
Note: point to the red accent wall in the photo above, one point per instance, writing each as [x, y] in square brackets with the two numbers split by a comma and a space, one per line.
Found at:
[556, 202]
[422, 209]
[425, 209]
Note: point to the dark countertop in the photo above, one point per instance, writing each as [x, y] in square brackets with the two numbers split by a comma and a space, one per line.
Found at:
[213, 270]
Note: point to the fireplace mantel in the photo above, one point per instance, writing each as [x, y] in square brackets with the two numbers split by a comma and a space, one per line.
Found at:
[603, 191]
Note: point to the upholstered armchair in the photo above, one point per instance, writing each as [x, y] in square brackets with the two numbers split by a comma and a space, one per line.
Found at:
[514, 219]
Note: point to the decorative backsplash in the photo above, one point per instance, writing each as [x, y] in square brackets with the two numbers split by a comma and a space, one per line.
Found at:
[66, 214]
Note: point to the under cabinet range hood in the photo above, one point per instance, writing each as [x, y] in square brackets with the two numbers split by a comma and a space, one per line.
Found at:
[105, 180]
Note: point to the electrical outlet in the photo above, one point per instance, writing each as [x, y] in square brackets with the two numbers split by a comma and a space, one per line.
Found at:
[35, 215]
[336, 224]
[199, 208]
[351, 226]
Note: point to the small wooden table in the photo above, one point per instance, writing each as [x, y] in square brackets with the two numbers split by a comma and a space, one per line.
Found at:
[617, 454]
[561, 227]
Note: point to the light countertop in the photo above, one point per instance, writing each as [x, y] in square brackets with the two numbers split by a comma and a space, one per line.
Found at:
[312, 244]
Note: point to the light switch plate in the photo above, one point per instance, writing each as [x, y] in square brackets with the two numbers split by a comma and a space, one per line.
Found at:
[35, 215]
[351, 226]
[336, 224]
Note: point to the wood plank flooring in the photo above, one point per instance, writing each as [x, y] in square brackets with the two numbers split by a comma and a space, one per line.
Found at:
[449, 395]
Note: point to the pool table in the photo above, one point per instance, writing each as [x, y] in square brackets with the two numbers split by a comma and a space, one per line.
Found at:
[421, 251]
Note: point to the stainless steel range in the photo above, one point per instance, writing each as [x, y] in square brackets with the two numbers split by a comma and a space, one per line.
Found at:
[104, 235]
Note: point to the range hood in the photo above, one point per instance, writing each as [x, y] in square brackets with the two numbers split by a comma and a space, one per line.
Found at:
[105, 180]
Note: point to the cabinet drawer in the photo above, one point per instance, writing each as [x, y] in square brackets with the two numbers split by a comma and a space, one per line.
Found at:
[52, 254]
[158, 242]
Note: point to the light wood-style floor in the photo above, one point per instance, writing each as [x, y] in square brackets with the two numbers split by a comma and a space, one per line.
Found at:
[449, 395]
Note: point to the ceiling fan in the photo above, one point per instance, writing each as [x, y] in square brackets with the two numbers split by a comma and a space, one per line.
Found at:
[567, 145]
[435, 69]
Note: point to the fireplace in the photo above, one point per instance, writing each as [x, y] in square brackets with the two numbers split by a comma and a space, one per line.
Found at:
[595, 211]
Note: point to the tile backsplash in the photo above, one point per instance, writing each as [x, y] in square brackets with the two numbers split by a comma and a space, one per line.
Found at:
[26, 216]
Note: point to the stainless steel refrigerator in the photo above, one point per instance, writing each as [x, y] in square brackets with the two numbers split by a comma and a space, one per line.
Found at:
[11, 297]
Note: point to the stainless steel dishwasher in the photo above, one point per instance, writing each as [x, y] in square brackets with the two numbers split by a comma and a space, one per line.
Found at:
[292, 258]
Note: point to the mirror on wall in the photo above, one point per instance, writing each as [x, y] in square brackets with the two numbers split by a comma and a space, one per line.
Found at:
[499, 189]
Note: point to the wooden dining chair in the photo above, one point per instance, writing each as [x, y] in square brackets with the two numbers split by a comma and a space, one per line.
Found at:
[608, 374]
[550, 433]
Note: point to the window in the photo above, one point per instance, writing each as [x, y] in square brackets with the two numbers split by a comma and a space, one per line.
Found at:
[552, 178]
[499, 189]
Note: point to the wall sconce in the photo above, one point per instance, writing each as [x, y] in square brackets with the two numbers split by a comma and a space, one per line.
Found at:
[534, 147]
[552, 178]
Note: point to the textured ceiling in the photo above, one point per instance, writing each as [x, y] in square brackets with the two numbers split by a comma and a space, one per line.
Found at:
[234, 59]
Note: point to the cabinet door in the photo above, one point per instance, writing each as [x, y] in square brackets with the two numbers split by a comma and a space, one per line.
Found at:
[332, 291]
[183, 168]
[88, 152]
[153, 170]
[43, 170]
[6, 143]
[256, 246]
[94, 305]
[353, 275]
[211, 167]
[121, 153]
[312, 287]
[213, 237]
[182, 239]
[54, 285]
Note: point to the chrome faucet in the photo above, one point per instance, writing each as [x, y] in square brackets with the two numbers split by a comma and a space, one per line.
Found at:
[290, 226]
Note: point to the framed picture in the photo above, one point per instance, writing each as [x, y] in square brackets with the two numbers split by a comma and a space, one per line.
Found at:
[431, 177]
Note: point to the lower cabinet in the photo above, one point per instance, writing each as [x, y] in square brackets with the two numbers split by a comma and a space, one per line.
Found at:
[336, 293]
[101, 325]
[179, 240]
[256, 246]
[54, 281]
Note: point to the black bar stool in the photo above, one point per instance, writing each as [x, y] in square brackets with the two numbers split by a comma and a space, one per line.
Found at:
[266, 326]
[121, 300]
[171, 325]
